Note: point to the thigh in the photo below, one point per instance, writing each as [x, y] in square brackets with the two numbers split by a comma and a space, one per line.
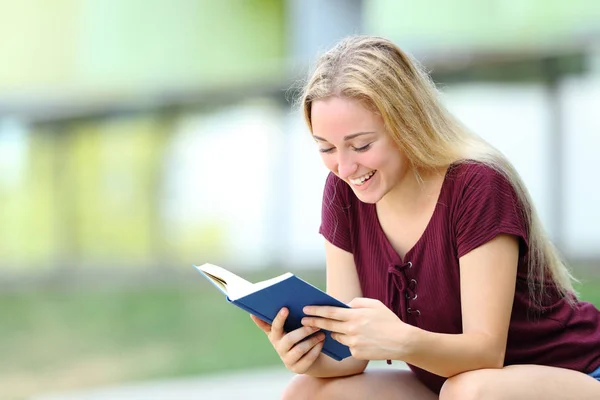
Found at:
[373, 383]
[518, 382]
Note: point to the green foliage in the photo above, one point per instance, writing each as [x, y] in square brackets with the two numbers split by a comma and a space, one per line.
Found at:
[118, 47]
[507, 25]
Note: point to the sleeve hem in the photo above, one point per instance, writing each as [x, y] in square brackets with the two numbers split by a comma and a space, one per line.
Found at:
[464, 250]
[338, 243]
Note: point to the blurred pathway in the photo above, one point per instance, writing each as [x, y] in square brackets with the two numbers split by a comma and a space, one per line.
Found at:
[264, 384]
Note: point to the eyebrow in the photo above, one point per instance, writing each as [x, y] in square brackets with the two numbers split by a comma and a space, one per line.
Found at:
[346, 138]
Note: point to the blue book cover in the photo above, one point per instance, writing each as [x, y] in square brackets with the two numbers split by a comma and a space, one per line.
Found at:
[265, 299]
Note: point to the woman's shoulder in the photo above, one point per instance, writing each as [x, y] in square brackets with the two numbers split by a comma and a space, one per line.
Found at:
[470, 182]
[470, 174]
[472, 169]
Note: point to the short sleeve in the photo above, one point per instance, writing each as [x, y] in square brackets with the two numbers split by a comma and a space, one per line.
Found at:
[335, 226]
[487, 207]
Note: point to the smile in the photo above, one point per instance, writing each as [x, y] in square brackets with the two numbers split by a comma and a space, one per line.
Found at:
[359, 181]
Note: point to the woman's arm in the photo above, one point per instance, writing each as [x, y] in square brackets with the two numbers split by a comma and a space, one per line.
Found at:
[343, 284]
[487, 280]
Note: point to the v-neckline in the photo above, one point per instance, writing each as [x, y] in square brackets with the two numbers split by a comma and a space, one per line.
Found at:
[392, 253]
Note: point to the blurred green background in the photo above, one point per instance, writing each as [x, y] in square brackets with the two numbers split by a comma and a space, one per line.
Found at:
[139, 138]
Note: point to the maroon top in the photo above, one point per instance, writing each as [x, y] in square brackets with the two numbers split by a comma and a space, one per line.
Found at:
[475, 204]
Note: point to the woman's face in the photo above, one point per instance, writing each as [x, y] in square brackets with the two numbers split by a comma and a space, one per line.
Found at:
[355, 146]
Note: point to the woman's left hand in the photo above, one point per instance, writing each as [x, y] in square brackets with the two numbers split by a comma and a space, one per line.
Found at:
[370, 329]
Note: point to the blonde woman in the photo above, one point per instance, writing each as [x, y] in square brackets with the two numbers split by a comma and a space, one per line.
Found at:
[433, 240]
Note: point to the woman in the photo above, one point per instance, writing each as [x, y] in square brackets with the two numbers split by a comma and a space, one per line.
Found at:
[433, 241]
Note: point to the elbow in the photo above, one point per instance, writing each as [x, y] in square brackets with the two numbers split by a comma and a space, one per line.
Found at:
[493, 351]
[490, 356]
[489, 359]
[493, 357]
[498, 361]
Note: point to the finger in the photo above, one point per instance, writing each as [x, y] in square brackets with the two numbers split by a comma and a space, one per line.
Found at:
[277, 325]
[295, 355]
[324, 323]
[339, 337]
[308, 359]
[294, 337]
[337, 313]
[264, 326]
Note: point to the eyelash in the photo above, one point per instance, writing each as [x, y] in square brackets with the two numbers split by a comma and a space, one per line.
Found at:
[364, 148]
[357, 149]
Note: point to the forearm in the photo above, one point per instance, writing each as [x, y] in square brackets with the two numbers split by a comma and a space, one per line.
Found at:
[326, 367]
[450, 354]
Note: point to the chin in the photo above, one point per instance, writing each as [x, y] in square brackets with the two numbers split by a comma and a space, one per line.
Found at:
[367, 198]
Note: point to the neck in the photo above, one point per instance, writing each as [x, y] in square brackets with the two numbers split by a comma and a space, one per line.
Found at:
[411, 194]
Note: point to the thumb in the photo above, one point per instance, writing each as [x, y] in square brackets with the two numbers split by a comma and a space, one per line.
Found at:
[265, 327]
[363, 302]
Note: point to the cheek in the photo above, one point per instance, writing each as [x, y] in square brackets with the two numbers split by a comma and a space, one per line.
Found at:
[394, 160]
[374, 160]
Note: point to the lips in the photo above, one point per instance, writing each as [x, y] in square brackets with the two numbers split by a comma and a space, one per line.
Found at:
[362, 179]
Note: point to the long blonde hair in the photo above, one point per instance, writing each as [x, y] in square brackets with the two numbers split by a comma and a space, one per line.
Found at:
[382, 77]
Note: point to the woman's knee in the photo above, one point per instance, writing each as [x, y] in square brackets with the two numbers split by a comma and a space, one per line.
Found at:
[303, 387]
[469, 385]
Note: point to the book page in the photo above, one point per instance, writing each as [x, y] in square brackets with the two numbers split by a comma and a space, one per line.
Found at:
[228, 281]
[234, 286]
[259, 285]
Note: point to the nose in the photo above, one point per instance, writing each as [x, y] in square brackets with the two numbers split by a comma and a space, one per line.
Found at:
[347, 165]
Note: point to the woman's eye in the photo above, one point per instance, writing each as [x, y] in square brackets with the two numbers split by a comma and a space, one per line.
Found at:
[329, 150]
[364, 148]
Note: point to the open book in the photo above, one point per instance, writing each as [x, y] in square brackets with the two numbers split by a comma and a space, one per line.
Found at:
[264, 300]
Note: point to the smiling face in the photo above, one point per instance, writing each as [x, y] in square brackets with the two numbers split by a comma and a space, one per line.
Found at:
[356, 147]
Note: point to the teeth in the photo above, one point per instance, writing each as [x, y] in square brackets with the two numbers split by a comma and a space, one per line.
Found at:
[362, 179]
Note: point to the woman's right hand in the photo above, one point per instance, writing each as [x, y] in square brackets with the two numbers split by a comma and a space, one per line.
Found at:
[297, 354]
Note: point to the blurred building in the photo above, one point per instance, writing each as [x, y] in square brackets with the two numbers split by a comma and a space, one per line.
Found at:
[157, 136]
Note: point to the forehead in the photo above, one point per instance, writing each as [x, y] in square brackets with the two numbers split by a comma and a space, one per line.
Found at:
[333, 118]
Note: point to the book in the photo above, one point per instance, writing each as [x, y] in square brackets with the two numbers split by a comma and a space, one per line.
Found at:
[264, 300]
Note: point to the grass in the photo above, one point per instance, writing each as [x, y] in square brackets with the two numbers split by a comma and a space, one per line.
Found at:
[60, 340]
[54, 340]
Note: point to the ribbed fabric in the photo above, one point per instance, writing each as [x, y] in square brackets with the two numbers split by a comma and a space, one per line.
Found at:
[475, 205]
